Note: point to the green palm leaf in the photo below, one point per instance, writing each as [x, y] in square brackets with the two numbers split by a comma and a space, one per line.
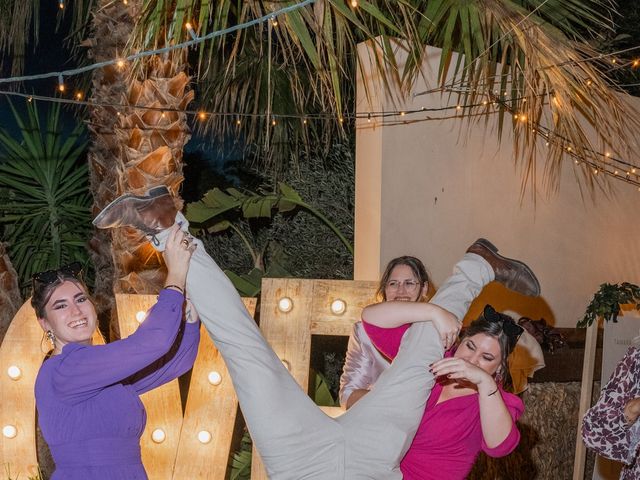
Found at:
[44, 212]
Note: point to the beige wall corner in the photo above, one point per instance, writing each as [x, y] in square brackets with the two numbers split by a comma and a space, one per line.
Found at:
[368, 193]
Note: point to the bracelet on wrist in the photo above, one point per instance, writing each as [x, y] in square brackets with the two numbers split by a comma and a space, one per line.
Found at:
[494, 392]
[175, 287]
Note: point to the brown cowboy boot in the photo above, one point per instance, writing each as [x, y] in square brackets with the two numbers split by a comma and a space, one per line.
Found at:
[149, 213]
[513, 274]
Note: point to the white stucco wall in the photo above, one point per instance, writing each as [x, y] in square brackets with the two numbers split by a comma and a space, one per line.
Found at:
[430, 189]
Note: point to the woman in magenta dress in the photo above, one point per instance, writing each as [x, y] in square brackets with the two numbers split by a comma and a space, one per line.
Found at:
[467, 411]
[87, 396]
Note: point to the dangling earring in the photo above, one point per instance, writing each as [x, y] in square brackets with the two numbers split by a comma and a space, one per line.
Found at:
[498, 377]
[51, 337]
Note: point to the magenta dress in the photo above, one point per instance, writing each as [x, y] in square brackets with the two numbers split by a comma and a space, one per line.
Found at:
[449, 437]
[87, 397]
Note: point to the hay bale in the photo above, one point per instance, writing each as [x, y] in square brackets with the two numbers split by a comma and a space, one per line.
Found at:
[548, 441]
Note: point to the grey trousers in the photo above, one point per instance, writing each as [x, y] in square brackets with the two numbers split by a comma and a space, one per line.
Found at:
[296, 440]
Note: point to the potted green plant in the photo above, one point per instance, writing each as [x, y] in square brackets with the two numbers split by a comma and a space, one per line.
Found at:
[607, 300]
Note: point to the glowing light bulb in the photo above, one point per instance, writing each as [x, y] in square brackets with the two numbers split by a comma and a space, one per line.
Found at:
[202, 115]
[274, 21]
[14, 372]
[204, 436]
[61, 4]
[214, 378]
[458, 107]
[120, 64]
[273, 122]
[285, 304]
[402, 114]
[191, 31]
[354, 3]
[78, 95]
[158, 435]
[9, 431]
[338, 306]
[140, 316]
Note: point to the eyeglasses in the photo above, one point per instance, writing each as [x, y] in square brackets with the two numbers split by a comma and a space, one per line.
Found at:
[409, 285]
[50, 276]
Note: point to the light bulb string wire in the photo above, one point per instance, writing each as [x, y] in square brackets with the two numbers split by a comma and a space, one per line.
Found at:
[543, 132]
[496, 102]
[158, 51]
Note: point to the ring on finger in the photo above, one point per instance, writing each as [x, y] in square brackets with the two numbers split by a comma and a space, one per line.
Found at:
[185, 242]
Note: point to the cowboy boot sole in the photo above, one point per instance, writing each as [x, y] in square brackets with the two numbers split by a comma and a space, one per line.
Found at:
[487, 244]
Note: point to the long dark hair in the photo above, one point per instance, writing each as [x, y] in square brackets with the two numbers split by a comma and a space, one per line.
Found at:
[493, 324]
[42, 291]
[416, 266]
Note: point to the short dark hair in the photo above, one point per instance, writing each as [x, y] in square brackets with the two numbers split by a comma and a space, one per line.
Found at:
[416, 266]
[41, 292]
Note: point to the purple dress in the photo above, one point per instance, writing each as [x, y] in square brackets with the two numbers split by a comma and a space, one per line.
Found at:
[87, 397]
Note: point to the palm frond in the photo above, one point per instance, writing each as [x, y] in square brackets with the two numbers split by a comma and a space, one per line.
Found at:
[44, 193]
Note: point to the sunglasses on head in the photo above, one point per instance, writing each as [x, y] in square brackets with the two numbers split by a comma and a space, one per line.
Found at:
[50, 276]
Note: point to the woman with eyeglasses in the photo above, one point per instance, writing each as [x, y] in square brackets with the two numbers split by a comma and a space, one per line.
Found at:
[404, 280]
[295, 438]
[87, 396]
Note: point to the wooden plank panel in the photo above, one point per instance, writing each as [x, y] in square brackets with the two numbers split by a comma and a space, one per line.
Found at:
[355, 295]
[164, 410]
[21, 348]
[210, 408]
[586, 388]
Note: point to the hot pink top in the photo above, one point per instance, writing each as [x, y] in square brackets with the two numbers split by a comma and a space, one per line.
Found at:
[449, 437]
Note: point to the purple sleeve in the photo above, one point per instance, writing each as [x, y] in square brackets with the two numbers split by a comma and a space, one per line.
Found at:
[173, 364]
[84, 370]
[508, 445]
[604, 428]
[387, 340]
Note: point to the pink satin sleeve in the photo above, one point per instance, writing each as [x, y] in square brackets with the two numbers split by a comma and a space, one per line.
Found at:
[363, 364]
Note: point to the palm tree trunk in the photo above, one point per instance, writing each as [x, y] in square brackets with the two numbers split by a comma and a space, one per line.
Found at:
[10, 299]
[133, 149]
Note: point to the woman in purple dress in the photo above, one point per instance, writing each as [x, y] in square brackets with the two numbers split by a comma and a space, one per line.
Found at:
[87, 396]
